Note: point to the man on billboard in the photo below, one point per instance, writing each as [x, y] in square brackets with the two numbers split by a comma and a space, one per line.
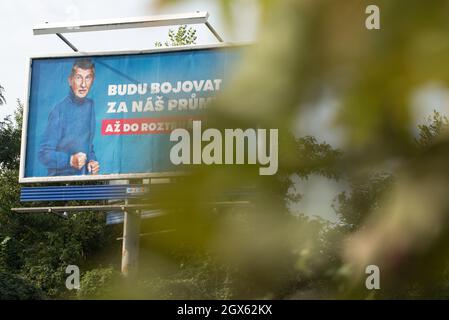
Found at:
[67, 144]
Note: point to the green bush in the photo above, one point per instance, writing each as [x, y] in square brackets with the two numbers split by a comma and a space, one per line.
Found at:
[98, 283]
[13, 287]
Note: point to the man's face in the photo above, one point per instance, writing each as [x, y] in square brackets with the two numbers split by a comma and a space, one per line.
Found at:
[81, 81]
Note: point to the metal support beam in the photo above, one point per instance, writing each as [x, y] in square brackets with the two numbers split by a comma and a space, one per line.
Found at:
[148, 234]
[214, 32]
[126, 23]
[115, 207]
[121, 207]
[67, 42]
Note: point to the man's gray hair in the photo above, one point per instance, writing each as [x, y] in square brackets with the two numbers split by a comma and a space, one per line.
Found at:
[83, 63]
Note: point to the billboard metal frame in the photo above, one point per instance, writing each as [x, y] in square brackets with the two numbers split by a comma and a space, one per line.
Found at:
[122, 23]
[126, 23]
[104, 177]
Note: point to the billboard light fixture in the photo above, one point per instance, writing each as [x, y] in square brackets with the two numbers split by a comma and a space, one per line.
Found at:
[125, 23]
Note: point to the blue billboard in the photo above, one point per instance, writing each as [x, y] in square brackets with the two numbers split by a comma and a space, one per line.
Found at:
[109, 116]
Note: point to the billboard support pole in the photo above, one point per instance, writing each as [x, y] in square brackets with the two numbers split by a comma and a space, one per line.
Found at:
[131, 242]
[130, 245]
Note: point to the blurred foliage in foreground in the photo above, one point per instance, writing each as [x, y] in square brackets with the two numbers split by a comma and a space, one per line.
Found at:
[395, 214]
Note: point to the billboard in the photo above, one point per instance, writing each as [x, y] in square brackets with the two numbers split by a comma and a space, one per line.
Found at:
[108, 116]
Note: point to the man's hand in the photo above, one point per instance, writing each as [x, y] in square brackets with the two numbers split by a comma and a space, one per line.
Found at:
[78, 160]
[93, 167]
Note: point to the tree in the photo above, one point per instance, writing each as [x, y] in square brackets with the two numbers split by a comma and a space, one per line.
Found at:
[13, 287]
[365, 196]
[367, 192]
[10, 136]
[183, 36]
[427, 133]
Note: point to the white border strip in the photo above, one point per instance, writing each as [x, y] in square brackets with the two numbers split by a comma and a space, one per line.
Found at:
[123, 23]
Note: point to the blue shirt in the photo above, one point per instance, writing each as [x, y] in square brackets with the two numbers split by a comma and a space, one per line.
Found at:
[70, 129]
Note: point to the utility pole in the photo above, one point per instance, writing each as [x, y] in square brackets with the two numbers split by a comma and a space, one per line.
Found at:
[131, 243]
